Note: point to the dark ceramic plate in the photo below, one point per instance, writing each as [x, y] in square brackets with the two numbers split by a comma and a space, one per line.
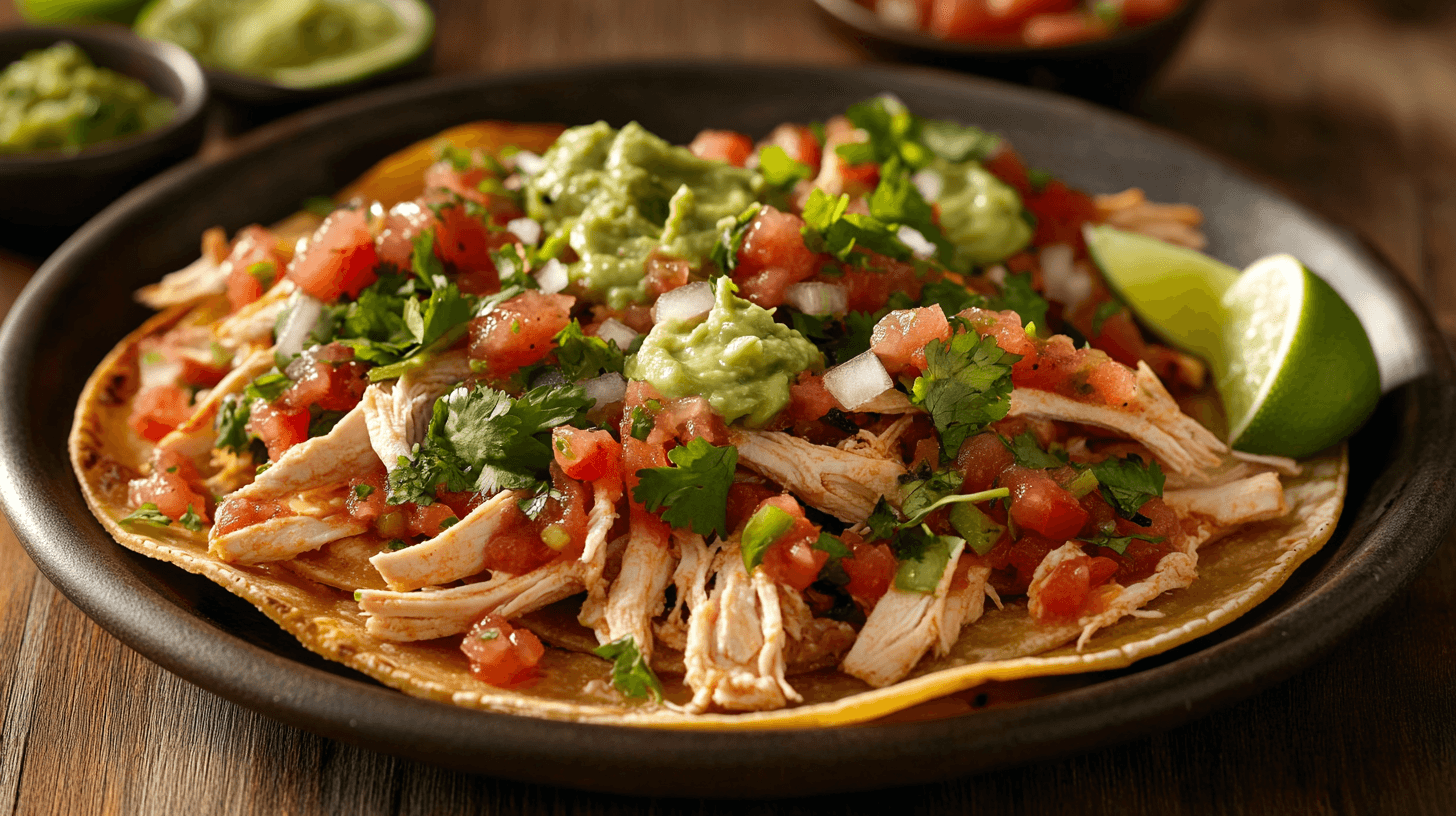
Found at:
[72, 313]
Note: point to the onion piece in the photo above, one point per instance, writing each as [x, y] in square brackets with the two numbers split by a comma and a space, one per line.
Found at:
[303, 315]
[919, 245]
[929, 182]
[858, 381]
[552, 277]
[816, 298]
[606, 389]
[527, 229]
[1065, 283]
[618, 332]
[158, 368]
[684, 303]
[550, 376]
[528, 162]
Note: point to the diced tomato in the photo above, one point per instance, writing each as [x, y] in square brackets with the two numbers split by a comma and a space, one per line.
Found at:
[463, 502]
[253, 265]
[809, 399]
[339, 258]
[462, 181]
[665, 273]
[743, 499]
[1017, 11]
[327, 377]
[687, 419]
[402, 223]
[429, 520]
[1046, 30]
[792, 560]
[1022, 556]
[280, 428]
[871, 569]
[1060, 213]
[981, 459]
[868, 289]
[171, 486]
[798, 142]
[587, 456]
[157, 410]
[899, 339]
[366, 498]
[1055, 365]
[1063, 590]
[500, 654]
[722, 145]
[201, 374]
[516, 547]
[1142, 12]
[519, 331]
[1006, 165]
[464, 244]
[1039, 503]
[968, 20]
[773, 257]
[236, 513]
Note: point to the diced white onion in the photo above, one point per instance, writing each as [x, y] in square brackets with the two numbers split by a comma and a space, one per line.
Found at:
[899, 13]
[929, 182]
[303, 315]
[528, 162]
[684, 303]
[552, 277]
[858, 381]
[996, 274]
[158, 369]
[919, 246]
[550, 377]
[527, 229]
[608, 388]
[816, 298]
[1065, 283]
[617, 331]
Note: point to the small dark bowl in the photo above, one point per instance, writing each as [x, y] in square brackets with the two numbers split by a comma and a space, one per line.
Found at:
[46, 192]
[1112, 71]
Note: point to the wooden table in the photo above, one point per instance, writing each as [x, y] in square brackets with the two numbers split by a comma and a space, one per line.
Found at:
[1348, 104]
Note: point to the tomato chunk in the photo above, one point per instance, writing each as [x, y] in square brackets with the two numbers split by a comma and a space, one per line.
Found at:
[1039, 503]
[157, 410]
[253, 265]
[871, 569]
[792, 560]
[519, 331]
[773, 257]
[170, 486]
[501, 654]
[899, 339]
[339, 259]
[587, 455]
[722, 145]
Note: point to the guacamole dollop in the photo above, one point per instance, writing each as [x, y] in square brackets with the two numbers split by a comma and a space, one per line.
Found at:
[260, 37]
[57, 99]
[737, 358]
[979, 214]
[622, 194]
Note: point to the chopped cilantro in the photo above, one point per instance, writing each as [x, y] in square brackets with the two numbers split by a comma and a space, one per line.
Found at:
[695, 492]
[147, 514]
[534, 505]
[1127, 484]
[395, 544]
[1018, 296]
[966, 386]
[630, 673]
[897, 202]
[1029, 454]
[511, 267]
[191, 520]
[484, 440]
[828, 227]
[323, 421]
[779, 170]
[322, 206]
[725, 252]
[263, 272]
[363, 491]
[642, 423]
[581, 357]
[267, 387]
[951, 297]
[1118, 544]
[883, 522]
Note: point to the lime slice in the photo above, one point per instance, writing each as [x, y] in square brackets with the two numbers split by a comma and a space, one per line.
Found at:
[1175, 292]
[417, 28]
[1298, 372]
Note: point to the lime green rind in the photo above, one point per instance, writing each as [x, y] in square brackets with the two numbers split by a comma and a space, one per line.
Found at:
[1176, 292]
[68, 11]
[418, 29]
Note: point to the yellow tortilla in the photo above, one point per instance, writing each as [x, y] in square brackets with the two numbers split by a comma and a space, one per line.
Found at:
[311, 596]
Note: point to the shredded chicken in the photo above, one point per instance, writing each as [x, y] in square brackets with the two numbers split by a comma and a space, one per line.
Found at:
[253, 324]
[336, 457]
[398, 413]
[204, 276]
[279, 538]
[196, 436]
[1152, 418]
[1255, 498]
[842, 483]
[905, 624]
[639, 592]
[456, 553]
[736, 640]
[690, 575]
[1130, 210]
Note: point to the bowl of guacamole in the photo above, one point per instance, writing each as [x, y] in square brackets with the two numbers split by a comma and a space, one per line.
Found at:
[85, 114]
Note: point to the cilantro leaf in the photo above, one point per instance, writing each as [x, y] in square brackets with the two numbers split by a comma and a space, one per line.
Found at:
[642, 423]
[191, 520]
[232, 423]
[951, 297]
[1127, 484]
[893, 132]
[883, 522]
[1118, 544]
[423, 261]
[147, 514]
[966, 386]
[630, 673]
[695, 492]
[267, 387]
[511, 267]
[898, 202]
[1029, 454]
[730, 240]
[828, 227]
[922, 493]
[779, 170]
[1018, 296]
[581, 357]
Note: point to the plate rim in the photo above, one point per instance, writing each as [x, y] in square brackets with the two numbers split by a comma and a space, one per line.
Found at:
[539, 750]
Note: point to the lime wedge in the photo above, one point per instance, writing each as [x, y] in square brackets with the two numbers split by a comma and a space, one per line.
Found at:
[1298, 372]
[1291, 362]
[417, 28]
[1175, 292]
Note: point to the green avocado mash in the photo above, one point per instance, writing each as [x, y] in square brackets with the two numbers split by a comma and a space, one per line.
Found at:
[621, 194]
[738, 358]
[979, 213]
[57, 98]
[268, 37]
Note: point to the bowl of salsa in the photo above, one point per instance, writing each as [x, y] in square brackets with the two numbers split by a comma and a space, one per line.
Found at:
[85, 114]
[1103, 50]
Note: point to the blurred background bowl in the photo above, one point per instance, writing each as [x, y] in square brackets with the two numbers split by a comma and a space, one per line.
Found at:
[44, 194]
[1113, 70]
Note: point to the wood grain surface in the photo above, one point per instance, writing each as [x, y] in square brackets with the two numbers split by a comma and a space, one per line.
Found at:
[1349, 105]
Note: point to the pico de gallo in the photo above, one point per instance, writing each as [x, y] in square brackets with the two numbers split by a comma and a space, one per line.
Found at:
[1031, 23]
[836, 387]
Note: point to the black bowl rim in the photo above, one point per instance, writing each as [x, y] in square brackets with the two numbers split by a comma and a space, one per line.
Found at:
[170, 58]
[868, 24]
[1403, 533]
